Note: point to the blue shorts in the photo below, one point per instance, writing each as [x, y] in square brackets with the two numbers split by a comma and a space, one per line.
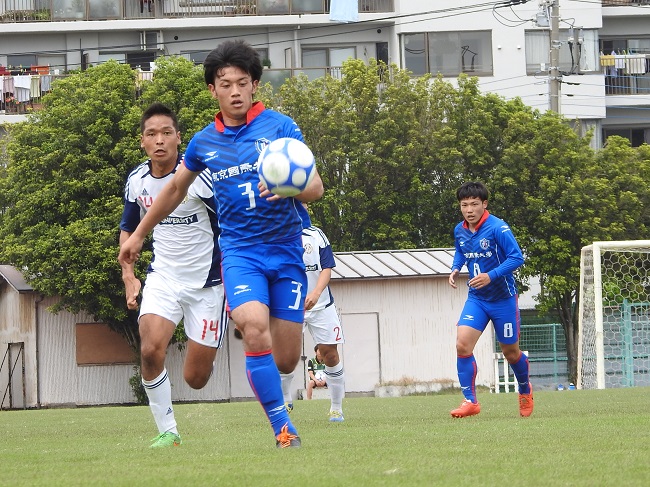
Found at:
[271, 274]
[503, 313]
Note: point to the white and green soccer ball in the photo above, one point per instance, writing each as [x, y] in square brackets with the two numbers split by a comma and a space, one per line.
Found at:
[286, 166]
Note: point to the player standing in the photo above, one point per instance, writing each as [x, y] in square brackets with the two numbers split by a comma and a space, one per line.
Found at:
[487, 246]
[260, 238]
[184, 276]
[321, 318]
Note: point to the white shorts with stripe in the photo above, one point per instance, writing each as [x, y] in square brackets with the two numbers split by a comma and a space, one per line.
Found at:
[202, 310]
[324, 326]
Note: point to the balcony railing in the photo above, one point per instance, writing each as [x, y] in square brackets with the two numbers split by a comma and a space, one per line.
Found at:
[71, 10]
[24, 89]
[626, 74]
[624, 3]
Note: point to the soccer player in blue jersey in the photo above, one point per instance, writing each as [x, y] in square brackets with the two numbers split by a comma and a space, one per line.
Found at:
[261, 245]
[180, 283]
[486, 245]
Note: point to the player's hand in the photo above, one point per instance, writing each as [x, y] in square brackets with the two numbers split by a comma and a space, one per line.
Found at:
[452, 278]
[310, 301]
[480, 281]
[130, 250]
[266, 193]
[132, 285]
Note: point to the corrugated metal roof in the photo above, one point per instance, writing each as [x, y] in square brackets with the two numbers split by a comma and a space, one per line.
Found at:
[384, 264]
[15, 279]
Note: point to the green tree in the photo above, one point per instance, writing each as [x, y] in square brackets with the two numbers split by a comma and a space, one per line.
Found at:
[63, 186]
[559, 195]
[61, 193]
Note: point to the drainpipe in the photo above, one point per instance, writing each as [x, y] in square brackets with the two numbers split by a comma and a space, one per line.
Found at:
[36, 328]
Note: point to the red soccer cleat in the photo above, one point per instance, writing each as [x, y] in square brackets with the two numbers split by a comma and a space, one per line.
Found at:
[526, 403]
[467, 408]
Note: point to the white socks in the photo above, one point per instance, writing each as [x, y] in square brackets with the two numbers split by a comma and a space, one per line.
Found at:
[287, 380]
[159, 392]
[336, 385]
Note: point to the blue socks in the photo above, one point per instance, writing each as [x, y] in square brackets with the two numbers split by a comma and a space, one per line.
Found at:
[264, 379]
[467, 376]
[521, 370]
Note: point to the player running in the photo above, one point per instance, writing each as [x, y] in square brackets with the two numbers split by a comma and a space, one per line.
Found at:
[260, 240]
[487, 246]
[184, 276]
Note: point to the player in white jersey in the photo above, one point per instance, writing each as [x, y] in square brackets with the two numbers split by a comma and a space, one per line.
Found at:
[321, 318]
[181, 282]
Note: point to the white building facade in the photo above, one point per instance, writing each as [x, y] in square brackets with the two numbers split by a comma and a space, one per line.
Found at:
[506, 44]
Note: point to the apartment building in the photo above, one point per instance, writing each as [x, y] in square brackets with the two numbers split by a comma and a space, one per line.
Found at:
[602, 80]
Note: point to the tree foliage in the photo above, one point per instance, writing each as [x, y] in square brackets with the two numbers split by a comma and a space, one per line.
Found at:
[63, 186]
[391, 150]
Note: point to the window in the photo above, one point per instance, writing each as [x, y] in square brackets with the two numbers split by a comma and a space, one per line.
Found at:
[21, 61]
[636, 136]
[327, 56]
[198, 57]
[317, 62]
[583, 59]
[382, 52]
[449, 53]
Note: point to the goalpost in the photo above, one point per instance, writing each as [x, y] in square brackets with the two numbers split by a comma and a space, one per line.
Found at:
[614, 315]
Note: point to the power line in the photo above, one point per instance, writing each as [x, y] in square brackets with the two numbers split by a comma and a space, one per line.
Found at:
[432, 15]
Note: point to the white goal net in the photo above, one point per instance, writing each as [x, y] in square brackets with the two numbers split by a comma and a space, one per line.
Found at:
[614, 319]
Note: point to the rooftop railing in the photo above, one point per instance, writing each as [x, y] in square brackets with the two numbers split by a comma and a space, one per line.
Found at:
[74, 10]
[624, 3]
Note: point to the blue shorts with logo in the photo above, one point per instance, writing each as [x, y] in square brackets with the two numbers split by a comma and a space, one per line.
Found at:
[503, 313]
[273, 274]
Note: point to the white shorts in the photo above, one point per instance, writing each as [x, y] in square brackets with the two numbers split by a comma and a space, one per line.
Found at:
[324, 326]
[203, 310]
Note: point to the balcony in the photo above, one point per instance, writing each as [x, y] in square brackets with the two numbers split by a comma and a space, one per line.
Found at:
[79, 10]
[624, 3]
[626, 74]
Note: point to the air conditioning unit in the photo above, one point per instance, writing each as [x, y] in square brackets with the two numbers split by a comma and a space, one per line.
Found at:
[151, 40]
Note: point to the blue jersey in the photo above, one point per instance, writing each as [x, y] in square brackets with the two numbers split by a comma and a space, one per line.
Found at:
[492, 249]
[231, 154]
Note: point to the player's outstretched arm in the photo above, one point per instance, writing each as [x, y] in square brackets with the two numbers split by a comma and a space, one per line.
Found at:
[166, 202]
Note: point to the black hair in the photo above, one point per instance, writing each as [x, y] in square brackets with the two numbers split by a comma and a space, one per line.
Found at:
[158, 109]
[472, 189]
[238, 54]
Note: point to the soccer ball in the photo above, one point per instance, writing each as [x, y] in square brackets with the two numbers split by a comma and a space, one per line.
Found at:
[286, 166]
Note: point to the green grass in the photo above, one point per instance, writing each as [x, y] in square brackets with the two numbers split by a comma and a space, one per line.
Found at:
[574, 438]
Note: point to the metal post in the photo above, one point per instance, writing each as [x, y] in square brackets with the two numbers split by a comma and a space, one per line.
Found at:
[555, 76]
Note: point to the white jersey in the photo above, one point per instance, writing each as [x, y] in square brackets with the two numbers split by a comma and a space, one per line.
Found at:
[318, 256]
[193, 223]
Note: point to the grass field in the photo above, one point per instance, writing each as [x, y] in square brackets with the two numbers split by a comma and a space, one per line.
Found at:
[574, 438]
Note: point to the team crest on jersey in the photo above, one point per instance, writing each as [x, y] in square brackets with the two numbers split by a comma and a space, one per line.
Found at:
[147, 200]
[308, 248]
[260, 144]
[484, 243]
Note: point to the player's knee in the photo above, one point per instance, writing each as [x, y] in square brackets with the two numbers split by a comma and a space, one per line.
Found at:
[511, 354]
[286, 365]
[150, 354]
[330, 356]
[197, 380]
[463, 348]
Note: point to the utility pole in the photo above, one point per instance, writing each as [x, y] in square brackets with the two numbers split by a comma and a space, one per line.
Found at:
[554, 72]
